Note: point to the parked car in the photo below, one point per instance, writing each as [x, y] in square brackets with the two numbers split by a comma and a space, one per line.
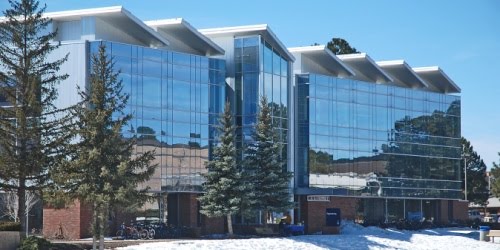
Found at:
[475, 215]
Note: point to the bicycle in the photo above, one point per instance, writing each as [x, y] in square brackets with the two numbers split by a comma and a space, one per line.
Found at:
[151, 233]
[128, 233]
[145, 231]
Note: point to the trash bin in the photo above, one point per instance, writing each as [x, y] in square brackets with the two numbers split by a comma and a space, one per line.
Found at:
[483, 231]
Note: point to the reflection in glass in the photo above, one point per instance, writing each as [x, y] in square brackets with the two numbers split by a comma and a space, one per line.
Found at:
[402, 146]
[260, 71]
[172, 105]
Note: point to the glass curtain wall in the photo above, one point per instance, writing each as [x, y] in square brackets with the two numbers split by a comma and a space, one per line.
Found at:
[366, 139]
[261, 70]
[175, 100]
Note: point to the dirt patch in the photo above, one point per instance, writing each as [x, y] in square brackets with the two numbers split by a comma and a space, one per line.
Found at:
[109, 244]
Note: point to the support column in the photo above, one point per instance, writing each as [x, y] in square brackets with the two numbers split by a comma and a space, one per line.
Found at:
[404, 208]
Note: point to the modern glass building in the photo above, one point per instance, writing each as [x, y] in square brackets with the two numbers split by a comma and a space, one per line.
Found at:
[405, 142]
[259, 65]
[379, 140]
[394, 144]
[176, 95]
[175, 100]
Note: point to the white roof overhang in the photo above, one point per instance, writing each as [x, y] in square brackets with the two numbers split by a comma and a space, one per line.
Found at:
[118, 17]
[437, 79]
[365, 68]
[260, 29]
[403, 74]
[325, 58]
[184, 36]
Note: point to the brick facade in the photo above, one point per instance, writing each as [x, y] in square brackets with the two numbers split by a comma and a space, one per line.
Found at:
[313, 213]
[74, 221]
[460, 210]
[213, 225]
[183, 209]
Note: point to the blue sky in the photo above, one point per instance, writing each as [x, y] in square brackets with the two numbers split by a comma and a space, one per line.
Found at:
[462, 37]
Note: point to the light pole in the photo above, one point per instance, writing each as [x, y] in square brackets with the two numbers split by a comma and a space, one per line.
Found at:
[465, 155]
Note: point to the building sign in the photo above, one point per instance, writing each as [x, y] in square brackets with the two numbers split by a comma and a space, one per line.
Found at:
[324, 198]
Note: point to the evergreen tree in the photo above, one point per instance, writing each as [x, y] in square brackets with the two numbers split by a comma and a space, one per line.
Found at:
[477, 186]
[223, 185]
[32, 129]
[268, 180]
[495, 180]
[340, 46]
[101, 171]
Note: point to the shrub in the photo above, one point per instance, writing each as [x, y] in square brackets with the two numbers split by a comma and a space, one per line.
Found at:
[34, 243]
[10, 226]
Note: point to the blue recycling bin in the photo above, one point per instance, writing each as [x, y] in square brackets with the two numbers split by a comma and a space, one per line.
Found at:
[483, 232]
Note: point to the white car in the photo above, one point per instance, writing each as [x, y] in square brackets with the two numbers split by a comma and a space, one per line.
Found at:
[491, 218]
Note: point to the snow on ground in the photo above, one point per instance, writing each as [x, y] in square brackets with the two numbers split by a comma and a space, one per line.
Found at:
[352, 237]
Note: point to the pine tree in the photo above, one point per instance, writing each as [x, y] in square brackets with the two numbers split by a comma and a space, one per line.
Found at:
[102, 171]
[340, 46]
[270, 183]
[495, 180]
[223, 185]
[477, 186]
[33, 130]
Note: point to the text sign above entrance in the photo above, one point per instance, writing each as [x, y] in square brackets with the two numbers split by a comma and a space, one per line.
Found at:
[324, 198]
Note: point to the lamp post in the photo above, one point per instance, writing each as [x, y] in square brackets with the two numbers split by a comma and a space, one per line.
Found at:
[465, 155]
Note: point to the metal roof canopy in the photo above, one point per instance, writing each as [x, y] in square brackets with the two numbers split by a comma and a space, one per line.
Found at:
[325, 58]
[118, 17]
[365, 68]
[260, 29]
[403, 74]
[437, 79]
[183, 36]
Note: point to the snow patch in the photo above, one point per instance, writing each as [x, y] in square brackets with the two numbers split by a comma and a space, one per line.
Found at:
[353, 236]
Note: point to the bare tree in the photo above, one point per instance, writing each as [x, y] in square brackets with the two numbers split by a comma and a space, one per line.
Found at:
[11, 201]
[11, 206]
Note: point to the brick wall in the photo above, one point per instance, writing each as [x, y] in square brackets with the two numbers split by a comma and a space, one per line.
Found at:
[212, 225]
[85, 221]
[314, 212]
[188, 210]
[443, 213]
[460, 210]
[347, 205]
[183, 211]
[74, 221]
